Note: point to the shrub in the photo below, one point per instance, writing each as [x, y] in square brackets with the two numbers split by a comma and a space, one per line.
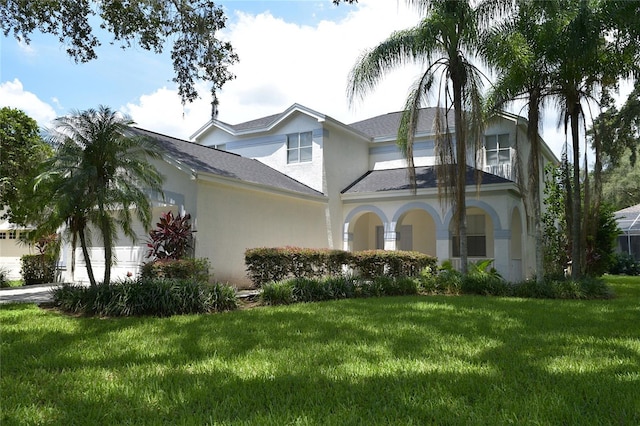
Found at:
[341, 287]
[311, 290]
[275, 264]
[38, 268]
[183, 269]
[585, 288]
[277, 293]
[157, 297]
[449, 281]
[484, 279]
[391, 286]
[624, 264]
[375, 263]
[4, 281]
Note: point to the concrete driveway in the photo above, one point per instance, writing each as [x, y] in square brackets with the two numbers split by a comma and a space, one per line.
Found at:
[27, 294]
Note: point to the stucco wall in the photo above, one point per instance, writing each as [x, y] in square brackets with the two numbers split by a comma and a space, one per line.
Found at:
[233, 219]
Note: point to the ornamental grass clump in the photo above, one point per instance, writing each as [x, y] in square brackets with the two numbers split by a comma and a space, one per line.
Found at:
[144, 297]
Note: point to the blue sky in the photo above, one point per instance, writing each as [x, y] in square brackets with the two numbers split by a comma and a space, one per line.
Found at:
[297, 51]
[290, 52]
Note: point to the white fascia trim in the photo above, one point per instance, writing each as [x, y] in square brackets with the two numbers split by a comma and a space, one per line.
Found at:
[236, 183]
[430, 192]
[201, 130]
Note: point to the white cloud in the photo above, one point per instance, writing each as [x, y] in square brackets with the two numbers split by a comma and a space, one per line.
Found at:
[162, 112]
[12, 94]
[25, 48]
[282, 63]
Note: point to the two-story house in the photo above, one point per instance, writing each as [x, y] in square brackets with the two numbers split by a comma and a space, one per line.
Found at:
[302, 178]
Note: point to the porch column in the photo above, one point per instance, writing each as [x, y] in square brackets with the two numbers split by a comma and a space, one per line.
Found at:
[501, 252]
[443, 242]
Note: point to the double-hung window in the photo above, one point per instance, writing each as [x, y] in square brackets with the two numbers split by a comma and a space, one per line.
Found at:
[476, 237]
[299, 147]
[498, 149]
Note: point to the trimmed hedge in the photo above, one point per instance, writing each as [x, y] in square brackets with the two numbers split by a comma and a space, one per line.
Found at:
[276, 264]
[159, 297]
[297, 290]
[38, 268]
[183, 269]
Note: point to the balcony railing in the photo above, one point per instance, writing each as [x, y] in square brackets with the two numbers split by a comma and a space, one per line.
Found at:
[502, 170]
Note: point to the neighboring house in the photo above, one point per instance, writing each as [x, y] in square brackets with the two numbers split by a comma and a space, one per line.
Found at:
[629, 223]
[11, 248]
[301, 178]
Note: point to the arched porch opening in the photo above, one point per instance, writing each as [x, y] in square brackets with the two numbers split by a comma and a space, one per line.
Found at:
[416, 231]
[367, 232]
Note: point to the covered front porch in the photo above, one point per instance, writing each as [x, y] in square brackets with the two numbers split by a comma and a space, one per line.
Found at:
[495, 230]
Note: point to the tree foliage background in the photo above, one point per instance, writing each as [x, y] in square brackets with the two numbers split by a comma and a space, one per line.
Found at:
[22, 151]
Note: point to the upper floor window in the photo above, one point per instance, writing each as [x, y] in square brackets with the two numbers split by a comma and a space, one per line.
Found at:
[13, 235]
[299, 147]
[498, 149]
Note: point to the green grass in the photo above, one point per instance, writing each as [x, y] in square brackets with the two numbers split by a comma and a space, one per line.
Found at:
[396, 360]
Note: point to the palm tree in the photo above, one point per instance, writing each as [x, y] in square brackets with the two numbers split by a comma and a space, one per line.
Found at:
[580, 67]
[516, 48]
[443, 40]
[102, 172]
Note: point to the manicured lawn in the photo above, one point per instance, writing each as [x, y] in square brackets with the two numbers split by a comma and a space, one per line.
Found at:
[403, 360]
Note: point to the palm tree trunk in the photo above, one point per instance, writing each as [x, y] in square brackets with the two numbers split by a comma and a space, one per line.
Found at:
[534, 179]
[87, 258]
[108, 247]
[576, 238]
[461, 160]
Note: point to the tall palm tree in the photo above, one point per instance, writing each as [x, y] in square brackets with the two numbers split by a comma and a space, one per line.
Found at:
[102, 170]
[579, 69]
[443, 40]
[516, 47]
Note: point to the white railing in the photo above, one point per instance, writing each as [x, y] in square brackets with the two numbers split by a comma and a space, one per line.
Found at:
[502, 170]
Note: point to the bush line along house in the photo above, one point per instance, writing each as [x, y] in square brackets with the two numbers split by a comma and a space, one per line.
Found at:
[302, 178]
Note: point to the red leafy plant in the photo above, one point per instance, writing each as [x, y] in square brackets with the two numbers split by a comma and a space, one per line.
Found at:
[172, 237]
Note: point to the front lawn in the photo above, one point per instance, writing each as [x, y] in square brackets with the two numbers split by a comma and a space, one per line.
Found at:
[395, 360]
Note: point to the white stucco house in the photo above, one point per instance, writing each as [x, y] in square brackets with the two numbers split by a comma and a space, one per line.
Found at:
[302, 178]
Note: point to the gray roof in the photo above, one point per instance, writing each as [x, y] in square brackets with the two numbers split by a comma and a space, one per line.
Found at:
[259, 123]
[398, 179]
[629, 219]
[387, 125]
[205, 159]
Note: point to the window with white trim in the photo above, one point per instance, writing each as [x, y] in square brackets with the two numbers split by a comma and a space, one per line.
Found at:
[13, 235]
[299, 147]
[498, 149]
[3, 235]
[476, 237]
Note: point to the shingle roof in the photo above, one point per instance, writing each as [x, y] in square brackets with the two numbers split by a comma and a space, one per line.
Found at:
[205, 159]
[398, 179]
[258, 123]
[387, 125]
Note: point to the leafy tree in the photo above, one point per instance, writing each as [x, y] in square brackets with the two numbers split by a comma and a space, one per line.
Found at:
[192, 25]
[101, 176]
[621, 183]
[444, 40]
[21, 152]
